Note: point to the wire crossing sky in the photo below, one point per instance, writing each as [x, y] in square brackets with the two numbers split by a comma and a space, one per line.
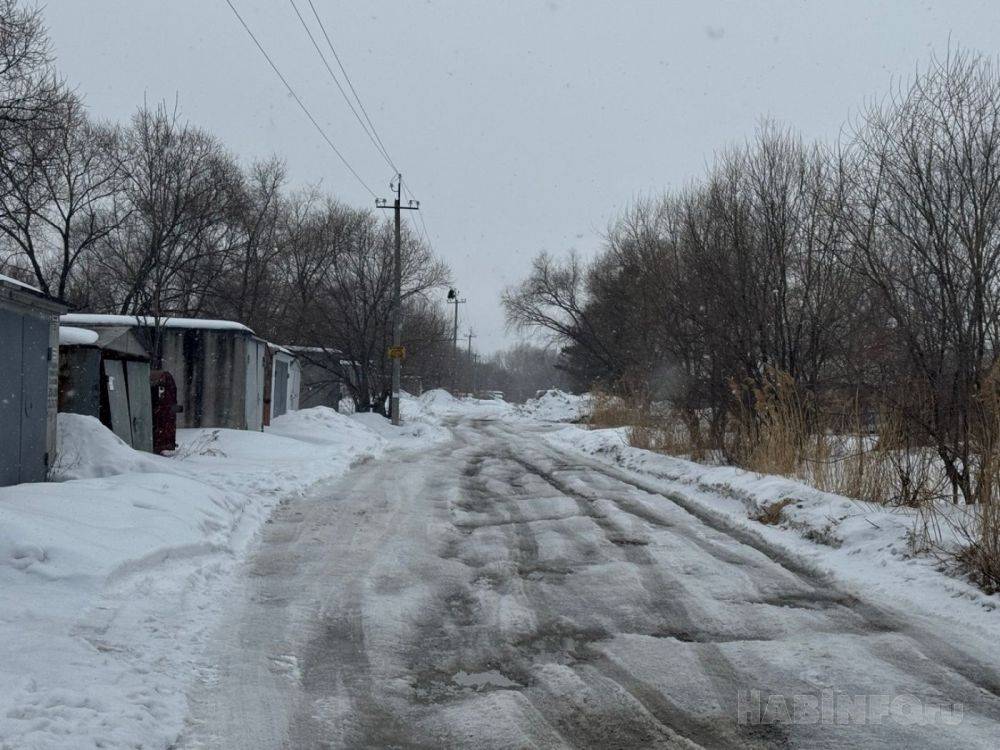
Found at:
[521, 126]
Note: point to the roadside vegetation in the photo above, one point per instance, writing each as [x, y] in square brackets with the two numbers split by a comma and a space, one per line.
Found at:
[824, 311]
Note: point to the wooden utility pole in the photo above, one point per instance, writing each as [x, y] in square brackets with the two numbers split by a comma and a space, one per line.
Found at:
[472, 376]
[396, 351]
[453, 299]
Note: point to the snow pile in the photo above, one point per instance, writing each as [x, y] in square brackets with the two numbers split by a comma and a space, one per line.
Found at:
[863, 545]
[89, 450]
[557, 406]
[321, 425]
[418, 428]
[110, 581]
[437, 401]
[436, 404]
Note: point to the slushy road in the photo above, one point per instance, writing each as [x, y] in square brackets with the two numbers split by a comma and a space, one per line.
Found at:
[495, 592]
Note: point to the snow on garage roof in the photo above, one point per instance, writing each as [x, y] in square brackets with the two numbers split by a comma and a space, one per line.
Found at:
[72, 336]
[15, 282]
[88, 319]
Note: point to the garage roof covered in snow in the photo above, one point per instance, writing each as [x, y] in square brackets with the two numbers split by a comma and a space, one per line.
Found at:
[15, 282]
[88, 319]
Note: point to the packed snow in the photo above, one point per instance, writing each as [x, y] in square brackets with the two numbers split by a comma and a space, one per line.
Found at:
[110, 577]
[439, 404]
[495, 590]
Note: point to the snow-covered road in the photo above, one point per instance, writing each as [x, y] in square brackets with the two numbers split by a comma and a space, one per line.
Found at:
[497, 591]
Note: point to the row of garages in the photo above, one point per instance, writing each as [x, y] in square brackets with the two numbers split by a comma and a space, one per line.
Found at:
[214, 373]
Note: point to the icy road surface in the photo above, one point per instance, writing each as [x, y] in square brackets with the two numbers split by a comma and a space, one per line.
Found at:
[495, 592]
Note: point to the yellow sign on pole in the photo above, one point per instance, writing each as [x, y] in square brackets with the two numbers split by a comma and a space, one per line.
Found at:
[397, 352]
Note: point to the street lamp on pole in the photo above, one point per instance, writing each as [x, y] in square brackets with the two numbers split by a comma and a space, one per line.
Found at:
[453, 299]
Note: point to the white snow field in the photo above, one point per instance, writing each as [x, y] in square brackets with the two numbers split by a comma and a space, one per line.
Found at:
[480, 578]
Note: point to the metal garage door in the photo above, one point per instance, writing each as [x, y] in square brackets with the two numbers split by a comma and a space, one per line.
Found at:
[254, 401]
[139, 407]
[279, 389]
[24, 367]
[34, 399]
[121, 424]
[10, 397]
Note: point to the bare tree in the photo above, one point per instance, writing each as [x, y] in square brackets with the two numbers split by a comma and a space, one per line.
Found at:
[62, 196]
[246, 291]
[355, 299]
[925, 215]
[29, 88]
[178, 193]
[554, 298]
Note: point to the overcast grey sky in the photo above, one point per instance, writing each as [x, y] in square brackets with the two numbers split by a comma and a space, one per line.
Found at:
[521, 126]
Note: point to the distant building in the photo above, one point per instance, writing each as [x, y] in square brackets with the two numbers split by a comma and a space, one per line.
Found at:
[29, 381]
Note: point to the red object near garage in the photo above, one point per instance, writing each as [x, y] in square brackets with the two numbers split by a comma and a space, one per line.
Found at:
[163, 393]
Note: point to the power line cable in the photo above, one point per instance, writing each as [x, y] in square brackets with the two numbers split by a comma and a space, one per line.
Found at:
[299, 101]
[423, 223]
[375, 141]
[350, 84]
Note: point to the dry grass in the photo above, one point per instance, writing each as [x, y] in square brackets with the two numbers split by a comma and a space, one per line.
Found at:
[669, 432]
[979, 529]
[771, 514]
[610, 410]
[650, 426]
[771, 430]
[882, 464]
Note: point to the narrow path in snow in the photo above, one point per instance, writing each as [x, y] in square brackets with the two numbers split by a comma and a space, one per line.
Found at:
[494, 591]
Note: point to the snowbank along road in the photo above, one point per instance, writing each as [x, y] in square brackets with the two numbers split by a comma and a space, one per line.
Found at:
[496, 592]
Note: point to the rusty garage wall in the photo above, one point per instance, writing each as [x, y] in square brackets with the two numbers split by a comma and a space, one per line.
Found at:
[209, 367]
